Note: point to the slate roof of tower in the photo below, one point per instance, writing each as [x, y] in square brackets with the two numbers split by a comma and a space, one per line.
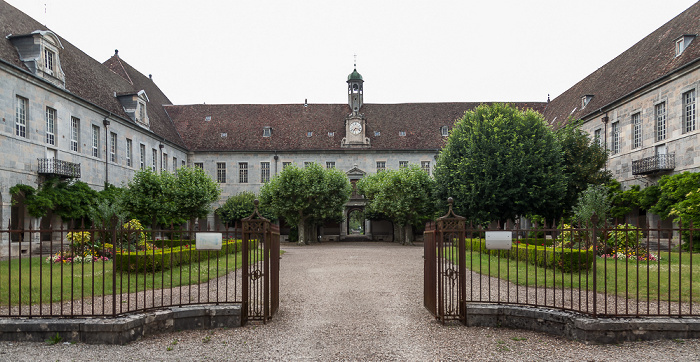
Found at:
[647, 61]
[244, 123]
[85, 77]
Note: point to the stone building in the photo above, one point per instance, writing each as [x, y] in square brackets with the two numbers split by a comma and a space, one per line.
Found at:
[65, 114]
[642, 106]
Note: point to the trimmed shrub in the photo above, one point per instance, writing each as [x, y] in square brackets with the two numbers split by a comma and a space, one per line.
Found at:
[535, 241]
[624, 236]
[164, 259]
[564, 259]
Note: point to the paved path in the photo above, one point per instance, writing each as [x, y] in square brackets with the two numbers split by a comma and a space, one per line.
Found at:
[354, 301]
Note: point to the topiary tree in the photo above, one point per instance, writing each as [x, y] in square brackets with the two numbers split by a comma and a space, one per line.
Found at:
[404, 196]
[238, 207]
[501, 162]
[304, 196]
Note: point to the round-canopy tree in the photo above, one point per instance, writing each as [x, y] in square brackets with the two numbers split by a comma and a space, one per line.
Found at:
[404, 196]
[501, 162]
[305, 195]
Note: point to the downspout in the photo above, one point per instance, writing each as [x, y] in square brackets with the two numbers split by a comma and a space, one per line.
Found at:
[106, 123]
[160, 147]
[276, 159]
[605, 120]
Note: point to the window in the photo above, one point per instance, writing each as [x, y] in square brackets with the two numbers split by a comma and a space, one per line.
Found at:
[21, 117]
[243, 172]
[113, 147]
[425, 165]
[142, 150]
[95, 141]
[264, 172]
[174, 163]
[683, 42]
[221, 172]
[267, 132]
[164, 166]
[50, 126]
[128, 152]
[660, 115]
[331, 134]
[224, 135]
[615, 138]
[199, 165]
[381, 166]
[307, 164]
[377, 133]
[74, 133]
[597, 139]
[285, 164]
[444, 131]
[154, 159]
[330, 164]
[636, 131]
[48, 60]
[689, 111]
[585, 100]
[309, 134]
[403, 164]
[142, 112]
[182, 163]
[402, 133]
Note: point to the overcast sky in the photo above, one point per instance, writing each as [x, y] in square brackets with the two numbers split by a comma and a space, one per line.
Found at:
[259, 51]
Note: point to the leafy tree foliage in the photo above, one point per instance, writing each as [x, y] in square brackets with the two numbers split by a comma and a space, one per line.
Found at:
[583, 162]
[404, 196]
[192, 193]
[501, 162]
[240, 206]
[165, 198]
[305, 196]
[71, 200]
[672, 190]
[622, 202]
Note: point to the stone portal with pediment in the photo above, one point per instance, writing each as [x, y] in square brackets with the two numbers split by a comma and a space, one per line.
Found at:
[357, 202]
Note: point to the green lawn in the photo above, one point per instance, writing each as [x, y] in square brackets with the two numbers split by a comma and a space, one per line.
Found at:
[64, 281]
[667, 279]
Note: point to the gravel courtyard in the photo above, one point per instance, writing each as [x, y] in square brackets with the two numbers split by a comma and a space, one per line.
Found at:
[354, 301]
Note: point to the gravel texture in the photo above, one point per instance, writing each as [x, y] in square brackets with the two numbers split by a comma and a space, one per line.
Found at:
[354, 301]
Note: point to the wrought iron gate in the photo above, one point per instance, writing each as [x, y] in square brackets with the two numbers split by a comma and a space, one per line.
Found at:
[261, 268]
[445, 282]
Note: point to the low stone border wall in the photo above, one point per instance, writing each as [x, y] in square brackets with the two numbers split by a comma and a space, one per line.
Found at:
[121, 330]
[582, 328]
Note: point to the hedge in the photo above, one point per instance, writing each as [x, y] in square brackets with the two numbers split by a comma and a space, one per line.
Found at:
[564, 259]
[153, 261]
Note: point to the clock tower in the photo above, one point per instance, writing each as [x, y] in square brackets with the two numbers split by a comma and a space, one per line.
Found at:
[355, 124]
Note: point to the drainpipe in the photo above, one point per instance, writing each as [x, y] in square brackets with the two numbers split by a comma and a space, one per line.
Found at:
[276, 159]
[605, 120]
[160, 146]
[106, 123]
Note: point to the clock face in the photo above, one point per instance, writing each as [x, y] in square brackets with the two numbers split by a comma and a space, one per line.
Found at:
[355, 127]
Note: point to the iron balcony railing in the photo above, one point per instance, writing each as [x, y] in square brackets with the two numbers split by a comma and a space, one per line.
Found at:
[653, 164]
[52, 166]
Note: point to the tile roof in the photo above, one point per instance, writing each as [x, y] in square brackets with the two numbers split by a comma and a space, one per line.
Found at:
[651, 59]
[85, 77]
[244, 123]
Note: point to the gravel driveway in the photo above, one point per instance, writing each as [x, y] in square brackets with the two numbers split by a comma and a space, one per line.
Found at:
[354, 301]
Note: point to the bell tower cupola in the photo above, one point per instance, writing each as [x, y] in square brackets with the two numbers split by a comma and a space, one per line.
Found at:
[355, 91]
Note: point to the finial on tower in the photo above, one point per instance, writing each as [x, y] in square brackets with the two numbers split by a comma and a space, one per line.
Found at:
[355, 61]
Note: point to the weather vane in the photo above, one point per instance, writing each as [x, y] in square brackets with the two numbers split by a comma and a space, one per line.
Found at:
[355, 61]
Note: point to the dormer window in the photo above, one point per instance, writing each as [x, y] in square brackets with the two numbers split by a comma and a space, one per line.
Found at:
[402, 133]
[683, 42]
[39, 51]
[331, 134]
[135, 106]
[224, 135]
[207, 118]
[377, 133]
[585, 100]
[444, 131]
[267, 131]
[309, 134]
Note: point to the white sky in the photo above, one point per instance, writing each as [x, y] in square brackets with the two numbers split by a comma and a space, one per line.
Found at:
[265, 51]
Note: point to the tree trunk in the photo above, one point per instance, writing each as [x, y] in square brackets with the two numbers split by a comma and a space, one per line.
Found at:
[398, 233]
[302, 232]
[408, 239]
